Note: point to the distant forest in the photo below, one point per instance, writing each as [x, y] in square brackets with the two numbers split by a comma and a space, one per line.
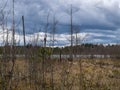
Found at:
[83, 49]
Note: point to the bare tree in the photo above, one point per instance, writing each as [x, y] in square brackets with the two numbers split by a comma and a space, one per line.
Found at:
[23, 31]
[24, 37]
[55, 22]
[44, 52]
[71, 12]
[4, 68]
[77, 37]
[54, 26]
[46, 30]
[13, 50]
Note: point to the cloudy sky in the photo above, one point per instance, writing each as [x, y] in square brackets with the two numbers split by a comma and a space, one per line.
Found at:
[98, 21]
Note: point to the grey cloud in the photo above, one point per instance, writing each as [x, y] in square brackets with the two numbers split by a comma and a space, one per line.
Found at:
[93, 15]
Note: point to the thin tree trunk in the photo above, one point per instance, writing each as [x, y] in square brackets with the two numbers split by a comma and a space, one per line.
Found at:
[13, 53]
[24, 35]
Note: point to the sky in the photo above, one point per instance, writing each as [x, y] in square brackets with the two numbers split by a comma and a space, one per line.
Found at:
[96, 20]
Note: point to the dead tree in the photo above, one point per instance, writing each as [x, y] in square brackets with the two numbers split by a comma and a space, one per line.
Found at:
[4, 67]
[13, 51]
[46, 30]
[54, 26]
[77, 37]
[71, 12]
[24, 39]
[44, 52]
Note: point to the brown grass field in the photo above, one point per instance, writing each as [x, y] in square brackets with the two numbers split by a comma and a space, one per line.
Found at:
[85, 74]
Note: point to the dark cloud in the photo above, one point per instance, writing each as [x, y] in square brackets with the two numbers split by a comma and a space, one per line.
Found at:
[99, 16]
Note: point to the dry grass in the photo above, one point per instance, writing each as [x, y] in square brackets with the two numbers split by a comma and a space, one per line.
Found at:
[103, 74]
